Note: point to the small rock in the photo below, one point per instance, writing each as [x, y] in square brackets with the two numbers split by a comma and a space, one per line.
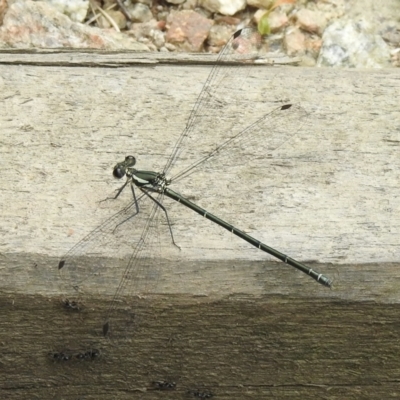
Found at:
[150, 30]
[170, 47]
[313, 45]
[347, 43]
[117, 16]
[140, 13]
[294, 41]
[158, 38]
[310, 21]
[187, 30]
[189, 5]
[332, 9]
[225, 7]
[75, 9]
[218, 36]
[392, 36]
[307, 61]
[227, 20]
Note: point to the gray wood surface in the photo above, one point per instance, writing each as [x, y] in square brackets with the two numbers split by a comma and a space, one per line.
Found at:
[330, 194]
[329, 197]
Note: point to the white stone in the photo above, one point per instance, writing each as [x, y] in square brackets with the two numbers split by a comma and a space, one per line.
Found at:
[347, 43]
[74, 9]
[225, 7]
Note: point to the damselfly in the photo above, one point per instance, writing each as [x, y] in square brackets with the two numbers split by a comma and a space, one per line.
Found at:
[149, 188]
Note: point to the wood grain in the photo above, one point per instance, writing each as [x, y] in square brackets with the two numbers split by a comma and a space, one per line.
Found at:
[220, 316]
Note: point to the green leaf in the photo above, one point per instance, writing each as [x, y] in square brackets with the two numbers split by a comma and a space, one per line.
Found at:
[263, 25]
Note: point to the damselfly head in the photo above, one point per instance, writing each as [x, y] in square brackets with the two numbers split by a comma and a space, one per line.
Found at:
[120, 169]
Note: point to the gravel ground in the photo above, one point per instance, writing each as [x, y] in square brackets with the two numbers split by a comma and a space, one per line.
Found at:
[340, 33]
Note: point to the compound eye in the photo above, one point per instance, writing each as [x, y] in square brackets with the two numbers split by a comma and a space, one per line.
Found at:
[118, 172]
[130, 161]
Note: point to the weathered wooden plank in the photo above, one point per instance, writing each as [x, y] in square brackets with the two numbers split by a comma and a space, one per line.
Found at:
[331, 194]
[88, 57]
[226, 319]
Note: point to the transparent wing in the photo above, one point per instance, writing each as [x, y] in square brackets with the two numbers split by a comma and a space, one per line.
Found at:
[262, 137]
[244, 46]
[92, 265]
[141, 274]
[119, 258]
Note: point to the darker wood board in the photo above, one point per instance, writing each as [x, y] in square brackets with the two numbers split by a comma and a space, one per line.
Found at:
[236, 348]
